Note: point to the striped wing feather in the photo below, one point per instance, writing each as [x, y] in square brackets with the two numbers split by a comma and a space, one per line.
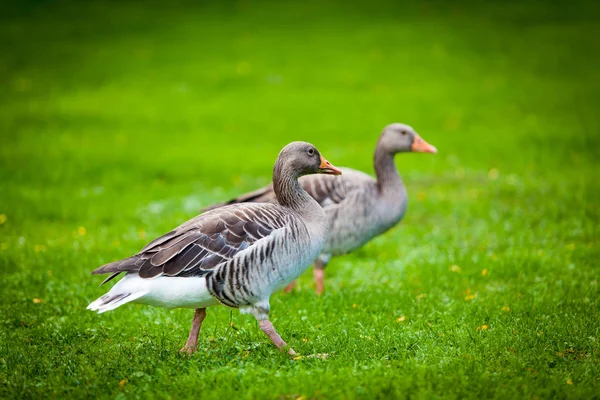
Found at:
[197, 246]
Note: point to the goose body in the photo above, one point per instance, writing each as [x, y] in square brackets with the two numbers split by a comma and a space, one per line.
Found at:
[236, 255]
[217, 257]
[358, 206]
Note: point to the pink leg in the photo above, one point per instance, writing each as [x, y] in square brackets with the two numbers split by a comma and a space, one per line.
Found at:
[289, 287]
[192, 342]
[268, 328]
[319, 274]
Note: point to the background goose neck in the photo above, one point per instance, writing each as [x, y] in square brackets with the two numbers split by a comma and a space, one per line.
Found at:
[388, 178]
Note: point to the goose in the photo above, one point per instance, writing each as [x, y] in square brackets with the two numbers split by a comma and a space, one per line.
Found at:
[235, 255]
[358, 206]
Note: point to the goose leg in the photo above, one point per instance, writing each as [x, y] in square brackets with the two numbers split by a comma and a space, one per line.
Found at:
[192, 342]
[269, 330]
[319, 273]
[289, 287]
[261, 313]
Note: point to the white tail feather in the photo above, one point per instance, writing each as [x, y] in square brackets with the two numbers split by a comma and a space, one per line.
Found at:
[110, 302]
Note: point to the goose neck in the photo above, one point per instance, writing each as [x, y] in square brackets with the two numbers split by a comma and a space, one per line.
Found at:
[288, 190]
[388, 178]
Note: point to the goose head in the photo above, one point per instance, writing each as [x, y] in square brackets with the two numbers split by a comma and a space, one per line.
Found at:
[398, 138]
[302, 158]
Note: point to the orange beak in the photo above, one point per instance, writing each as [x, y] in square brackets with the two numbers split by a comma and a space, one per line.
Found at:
[421, 146]
[327, 168]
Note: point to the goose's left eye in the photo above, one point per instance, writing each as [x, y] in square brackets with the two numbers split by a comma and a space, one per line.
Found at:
[311, 151]
[404, 132]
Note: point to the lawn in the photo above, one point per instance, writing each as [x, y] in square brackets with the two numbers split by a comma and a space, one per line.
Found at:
[120, 120]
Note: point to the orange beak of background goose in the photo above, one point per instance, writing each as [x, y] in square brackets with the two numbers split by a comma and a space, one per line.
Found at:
[327, 168]
[421, 146]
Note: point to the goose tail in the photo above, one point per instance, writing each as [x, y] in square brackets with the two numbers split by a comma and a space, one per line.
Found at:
[110, 301]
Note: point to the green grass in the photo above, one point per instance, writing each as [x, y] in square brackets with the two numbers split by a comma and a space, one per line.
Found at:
[119, 120]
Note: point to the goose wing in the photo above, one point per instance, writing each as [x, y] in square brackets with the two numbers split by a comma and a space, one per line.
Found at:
[200, 244]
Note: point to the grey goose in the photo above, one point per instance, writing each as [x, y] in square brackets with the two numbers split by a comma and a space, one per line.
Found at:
[235, 255]
[358, 206]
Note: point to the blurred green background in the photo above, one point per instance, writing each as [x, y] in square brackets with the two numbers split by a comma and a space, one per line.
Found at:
[119, 120]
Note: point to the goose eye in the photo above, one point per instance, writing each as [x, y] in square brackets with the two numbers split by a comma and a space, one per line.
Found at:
[404, 132]
[311, 151]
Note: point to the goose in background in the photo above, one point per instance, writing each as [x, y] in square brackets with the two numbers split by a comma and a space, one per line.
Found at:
[235, 255]
[358, 206]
